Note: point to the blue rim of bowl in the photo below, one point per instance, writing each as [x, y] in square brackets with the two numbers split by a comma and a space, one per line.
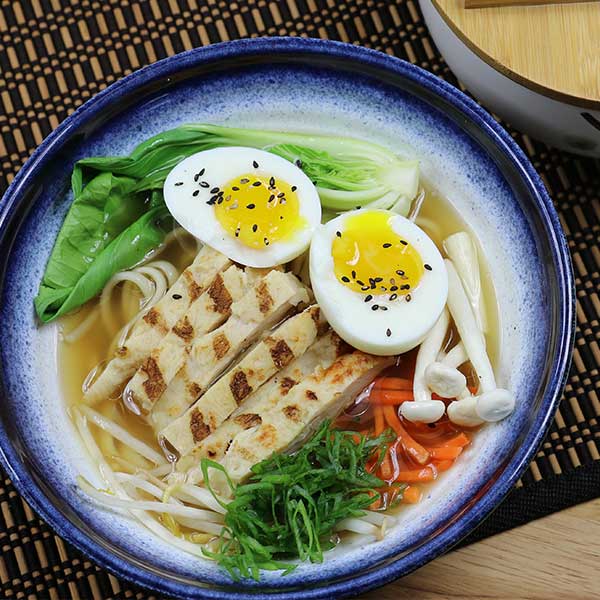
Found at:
[565, 333]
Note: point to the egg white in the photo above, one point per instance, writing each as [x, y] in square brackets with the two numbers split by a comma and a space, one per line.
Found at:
[221, 165]
[353, 319]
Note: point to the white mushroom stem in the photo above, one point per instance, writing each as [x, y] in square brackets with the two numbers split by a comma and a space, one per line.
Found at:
[445, 381]
[424, 409]
[495, 405]
[464, 412]
[462, 251]
[470, 334]
[456, 357]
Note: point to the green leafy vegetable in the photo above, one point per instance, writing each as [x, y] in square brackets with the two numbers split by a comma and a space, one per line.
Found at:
[113, 193]
[291, 503]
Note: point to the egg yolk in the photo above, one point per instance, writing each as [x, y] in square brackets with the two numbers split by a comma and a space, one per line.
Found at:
[258, 209]
[370, 258]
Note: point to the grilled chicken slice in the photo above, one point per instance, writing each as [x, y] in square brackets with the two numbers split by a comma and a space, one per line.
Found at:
[294, 418]
[257, 311]
[210, 311]
[319, 356]
[151, 328]
[289, 340]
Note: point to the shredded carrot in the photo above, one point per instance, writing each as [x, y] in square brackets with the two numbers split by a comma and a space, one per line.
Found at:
[410, 445]
[428, 473]
[443, 465]
[412, 495]
[379, 420]
[387, 469]
[445, 452]
[391, 397]
[393, 383]
[460, 440]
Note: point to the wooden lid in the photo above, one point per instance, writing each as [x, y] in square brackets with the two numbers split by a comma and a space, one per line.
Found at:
[553, 49]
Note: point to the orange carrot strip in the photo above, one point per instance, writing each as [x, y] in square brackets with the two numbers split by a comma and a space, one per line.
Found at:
[386, 469]
[379, 420]
[391, 397]
[443, 465]
[426, 474]
[460, 440]
[412, 495]
[393, 383]
[410, 445]
[445, 452]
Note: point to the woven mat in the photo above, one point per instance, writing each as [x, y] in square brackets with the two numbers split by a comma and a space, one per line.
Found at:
[55, 54]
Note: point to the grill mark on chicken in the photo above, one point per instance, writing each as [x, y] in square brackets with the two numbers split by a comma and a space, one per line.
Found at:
[265, 300]
[292, 412]
[194, 290]
[155, 385]
[198, 427]
[239, 386]
[155, 319]
[220, 346]
[194, 389]
[286, 384]
[184, 330]
[310, 395]
[220, 295]
[281, 353]
[248, 420]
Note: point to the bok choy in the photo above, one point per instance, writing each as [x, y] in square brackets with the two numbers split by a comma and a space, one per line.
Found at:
[118, 213]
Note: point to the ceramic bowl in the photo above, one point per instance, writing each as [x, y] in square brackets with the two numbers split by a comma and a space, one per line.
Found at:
[308, 85]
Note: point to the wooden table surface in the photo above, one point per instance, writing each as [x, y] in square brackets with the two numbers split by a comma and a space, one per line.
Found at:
[557, 557]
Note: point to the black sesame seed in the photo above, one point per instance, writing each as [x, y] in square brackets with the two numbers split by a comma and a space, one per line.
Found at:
[345, 279]
[404, 243]
[378, 279]
[298, 163]
[256, 184]
[387, 245]
[353, 274]
[294, 188]
[178, 183]
[282, 201]
[360, 282]
[214, 198]
[271, 197]
[266, 241]
[237, 232]
[204, 184]
[195, 193]
[375, 307]
[220, 200]
[255, 164]
[215, 190]
[176, 296]
[406, 286]
[394, 288]
[235, 188]
[368, 298]
[281, 217]
[201, 172]
[338, 233]
[383, 308]
[428, 267]
[393, 297]
[388, 332]
[280, 195]
[400, 272]
[211, 202]
[408, 297]
[272, 181]
[365, 288]
[244, 180]
[382, 287]
[254, 227]
[250, 206]
[196, 176]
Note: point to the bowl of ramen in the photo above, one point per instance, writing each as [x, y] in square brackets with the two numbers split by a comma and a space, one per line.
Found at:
[282, 317]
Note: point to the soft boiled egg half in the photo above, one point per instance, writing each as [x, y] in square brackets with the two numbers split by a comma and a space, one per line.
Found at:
[379, 279]
[255, 207]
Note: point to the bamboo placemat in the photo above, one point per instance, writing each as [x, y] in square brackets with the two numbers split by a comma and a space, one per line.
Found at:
[55, 54]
